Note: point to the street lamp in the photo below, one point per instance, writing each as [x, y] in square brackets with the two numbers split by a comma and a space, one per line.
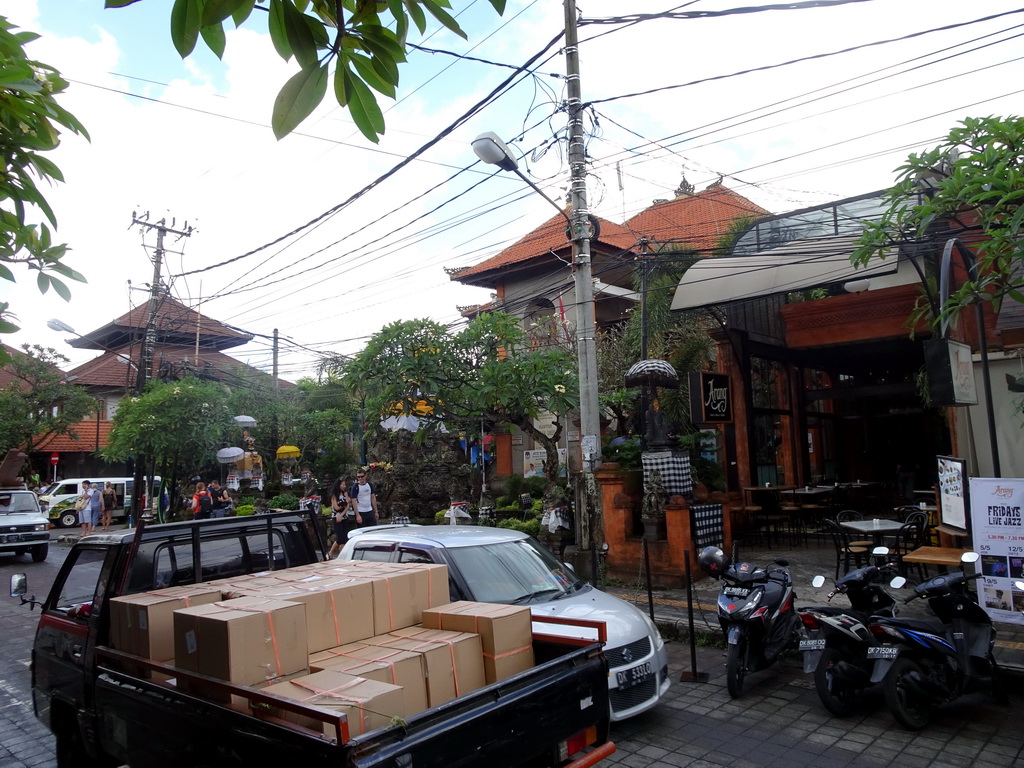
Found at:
[61, 327]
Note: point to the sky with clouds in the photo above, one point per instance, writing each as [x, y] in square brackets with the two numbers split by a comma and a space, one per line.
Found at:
[791, 108]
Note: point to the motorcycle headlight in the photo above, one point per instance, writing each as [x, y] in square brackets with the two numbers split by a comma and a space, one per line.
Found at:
[750, 607]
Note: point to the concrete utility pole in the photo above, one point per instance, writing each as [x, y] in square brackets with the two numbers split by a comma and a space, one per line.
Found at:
[590, 416]
[149, 343]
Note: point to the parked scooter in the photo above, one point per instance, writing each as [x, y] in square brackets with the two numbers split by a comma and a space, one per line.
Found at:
[839, 648]
[936, 661]
[755, 608]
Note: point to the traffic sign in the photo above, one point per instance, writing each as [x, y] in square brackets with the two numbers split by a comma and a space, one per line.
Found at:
[54, 458]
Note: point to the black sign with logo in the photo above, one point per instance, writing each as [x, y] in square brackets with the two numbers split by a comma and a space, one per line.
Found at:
[710, 398]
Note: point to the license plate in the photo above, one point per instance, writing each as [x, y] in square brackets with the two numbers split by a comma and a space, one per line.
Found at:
[883, 652]
[634, 676]
[735, 592]
[812, 645]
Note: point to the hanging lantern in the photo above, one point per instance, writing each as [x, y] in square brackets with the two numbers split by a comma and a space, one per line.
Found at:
[232, 483]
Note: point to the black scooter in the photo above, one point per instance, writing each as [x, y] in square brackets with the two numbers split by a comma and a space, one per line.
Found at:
[755, 609]
[936, 661]
[840, 649]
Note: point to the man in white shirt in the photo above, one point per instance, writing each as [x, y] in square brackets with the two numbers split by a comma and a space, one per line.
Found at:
[364, 500]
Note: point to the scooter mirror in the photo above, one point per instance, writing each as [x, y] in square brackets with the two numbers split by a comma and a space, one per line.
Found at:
[970, 557]
[880, 551]
[897, 582]
[1019, 585]
[818, 582]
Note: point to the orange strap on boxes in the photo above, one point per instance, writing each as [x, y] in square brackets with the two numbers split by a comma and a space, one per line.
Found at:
[270, 621]
[435, 642]
[360, 704]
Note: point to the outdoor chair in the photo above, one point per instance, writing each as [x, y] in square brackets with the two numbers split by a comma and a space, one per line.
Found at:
[852, 514]
[845, 551]
[910, 536]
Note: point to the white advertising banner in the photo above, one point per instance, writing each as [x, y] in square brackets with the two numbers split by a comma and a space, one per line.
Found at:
[996, 505]
[952, 492]
[534, 461]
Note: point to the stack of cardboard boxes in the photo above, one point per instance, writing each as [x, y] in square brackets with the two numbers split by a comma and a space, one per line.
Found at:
[373, 640]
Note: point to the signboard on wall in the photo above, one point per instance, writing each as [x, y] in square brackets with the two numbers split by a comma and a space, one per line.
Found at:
[998, 535]
[534, 461]
[710, 398]
[953, 492]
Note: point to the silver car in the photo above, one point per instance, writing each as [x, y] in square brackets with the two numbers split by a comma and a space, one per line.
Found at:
[495, 565]
[23, 528]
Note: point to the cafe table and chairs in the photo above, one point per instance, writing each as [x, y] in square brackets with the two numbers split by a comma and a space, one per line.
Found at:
[876, 527]
[944, 557]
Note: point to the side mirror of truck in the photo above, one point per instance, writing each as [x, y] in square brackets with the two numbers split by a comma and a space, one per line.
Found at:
[19, 585]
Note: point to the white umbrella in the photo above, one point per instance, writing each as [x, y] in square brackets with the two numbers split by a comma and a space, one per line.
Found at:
[229, 455]
[407, 422]
[245, 421]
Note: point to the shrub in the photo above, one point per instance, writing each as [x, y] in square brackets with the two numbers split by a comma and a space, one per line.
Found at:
[284, 501]
[530, 527]
[535, 486]
[243, 510]
[439, 517]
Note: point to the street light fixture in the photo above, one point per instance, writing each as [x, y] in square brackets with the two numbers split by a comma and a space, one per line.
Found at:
[61, 327]
[492, 150]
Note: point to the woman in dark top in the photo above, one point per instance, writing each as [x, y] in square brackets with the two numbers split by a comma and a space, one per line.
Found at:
[344, 516]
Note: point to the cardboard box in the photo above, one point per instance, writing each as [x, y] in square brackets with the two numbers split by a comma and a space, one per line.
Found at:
[506, 632]
[369, 704]
[245, 641]
[438, 665]
[465, 649]
[375, 662]
[430, 582]
[143, 623]
[339, 610]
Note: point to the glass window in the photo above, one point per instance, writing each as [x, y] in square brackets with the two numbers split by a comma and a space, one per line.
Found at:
[377, 553]
[511, 572]
[413, 556]
[82, 583]
[769, 384]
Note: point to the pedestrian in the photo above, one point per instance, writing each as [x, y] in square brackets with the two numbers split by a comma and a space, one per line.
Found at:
[202, 504]
[363, 499]
[220, 499]
[91, 509]
[109, 502]
[344, 516]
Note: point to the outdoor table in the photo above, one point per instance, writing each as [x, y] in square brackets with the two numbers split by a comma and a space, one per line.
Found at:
[749, 491]
[944, 556]
[876, 527]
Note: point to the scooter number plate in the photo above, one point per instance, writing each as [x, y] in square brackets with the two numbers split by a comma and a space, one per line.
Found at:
[634, 676]
[883, 652]
[812, 645]
[735, 591]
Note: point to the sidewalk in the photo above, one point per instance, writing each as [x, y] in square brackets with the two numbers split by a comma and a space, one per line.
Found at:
[779, 722]
[670, 606]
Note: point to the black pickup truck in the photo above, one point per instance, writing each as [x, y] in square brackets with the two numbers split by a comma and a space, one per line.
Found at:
[109, 708]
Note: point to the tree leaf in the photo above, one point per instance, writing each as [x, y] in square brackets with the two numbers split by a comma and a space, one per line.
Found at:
[118, 3]
[444, 17]
[243, 12]
[416, 14]
[278, 29]
[62, 290]
[364, 67]
[498, 5]
[300, 96]
[213, 35]
[6, 273]
[300, 36]
[186, 19]
[43, 282]
[8, 327]
[217, 11]
[362, 105]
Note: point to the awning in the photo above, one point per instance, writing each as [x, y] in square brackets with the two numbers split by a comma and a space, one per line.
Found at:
[795, 266]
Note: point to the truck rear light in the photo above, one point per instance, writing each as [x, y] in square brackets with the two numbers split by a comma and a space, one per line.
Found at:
[577, 743]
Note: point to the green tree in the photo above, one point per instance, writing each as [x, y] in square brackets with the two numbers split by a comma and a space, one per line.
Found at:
[178, 425]
[30, 118]
[969, 186]
[489, 371]
[38, 401]
[364, 40]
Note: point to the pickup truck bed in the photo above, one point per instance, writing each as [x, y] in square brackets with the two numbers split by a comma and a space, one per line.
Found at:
[107, 707]
[510, 723]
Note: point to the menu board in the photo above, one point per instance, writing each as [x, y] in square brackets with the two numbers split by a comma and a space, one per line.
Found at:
[996, 505]
[952, 492]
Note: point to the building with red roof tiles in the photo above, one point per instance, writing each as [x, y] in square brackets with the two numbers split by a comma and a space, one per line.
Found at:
[533, 278]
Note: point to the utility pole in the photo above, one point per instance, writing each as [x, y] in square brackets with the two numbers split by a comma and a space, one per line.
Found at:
[149, 344]
[590, 421]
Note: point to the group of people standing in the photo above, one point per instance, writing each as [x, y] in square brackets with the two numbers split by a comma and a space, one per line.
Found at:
[95, 507]
[353, 506]
[210, 501]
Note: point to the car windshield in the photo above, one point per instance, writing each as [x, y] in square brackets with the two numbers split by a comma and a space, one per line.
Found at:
[49, 489]
[513, 572]
[17, 502]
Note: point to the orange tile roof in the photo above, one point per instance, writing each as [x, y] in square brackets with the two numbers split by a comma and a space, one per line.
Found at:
[698, 221]
[83, 441]
[549, 236]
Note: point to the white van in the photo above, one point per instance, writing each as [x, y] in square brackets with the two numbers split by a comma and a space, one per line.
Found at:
[58, 501]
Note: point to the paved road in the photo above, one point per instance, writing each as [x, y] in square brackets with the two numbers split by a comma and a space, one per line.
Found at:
[778, 722]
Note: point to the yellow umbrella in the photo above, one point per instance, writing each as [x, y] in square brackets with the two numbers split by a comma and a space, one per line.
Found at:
[288, 452]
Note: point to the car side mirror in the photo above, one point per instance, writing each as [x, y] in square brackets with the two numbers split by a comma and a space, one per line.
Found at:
[19, 585]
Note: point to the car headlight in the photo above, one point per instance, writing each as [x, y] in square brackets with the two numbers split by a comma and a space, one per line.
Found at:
[41, 527]
[652, 628]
